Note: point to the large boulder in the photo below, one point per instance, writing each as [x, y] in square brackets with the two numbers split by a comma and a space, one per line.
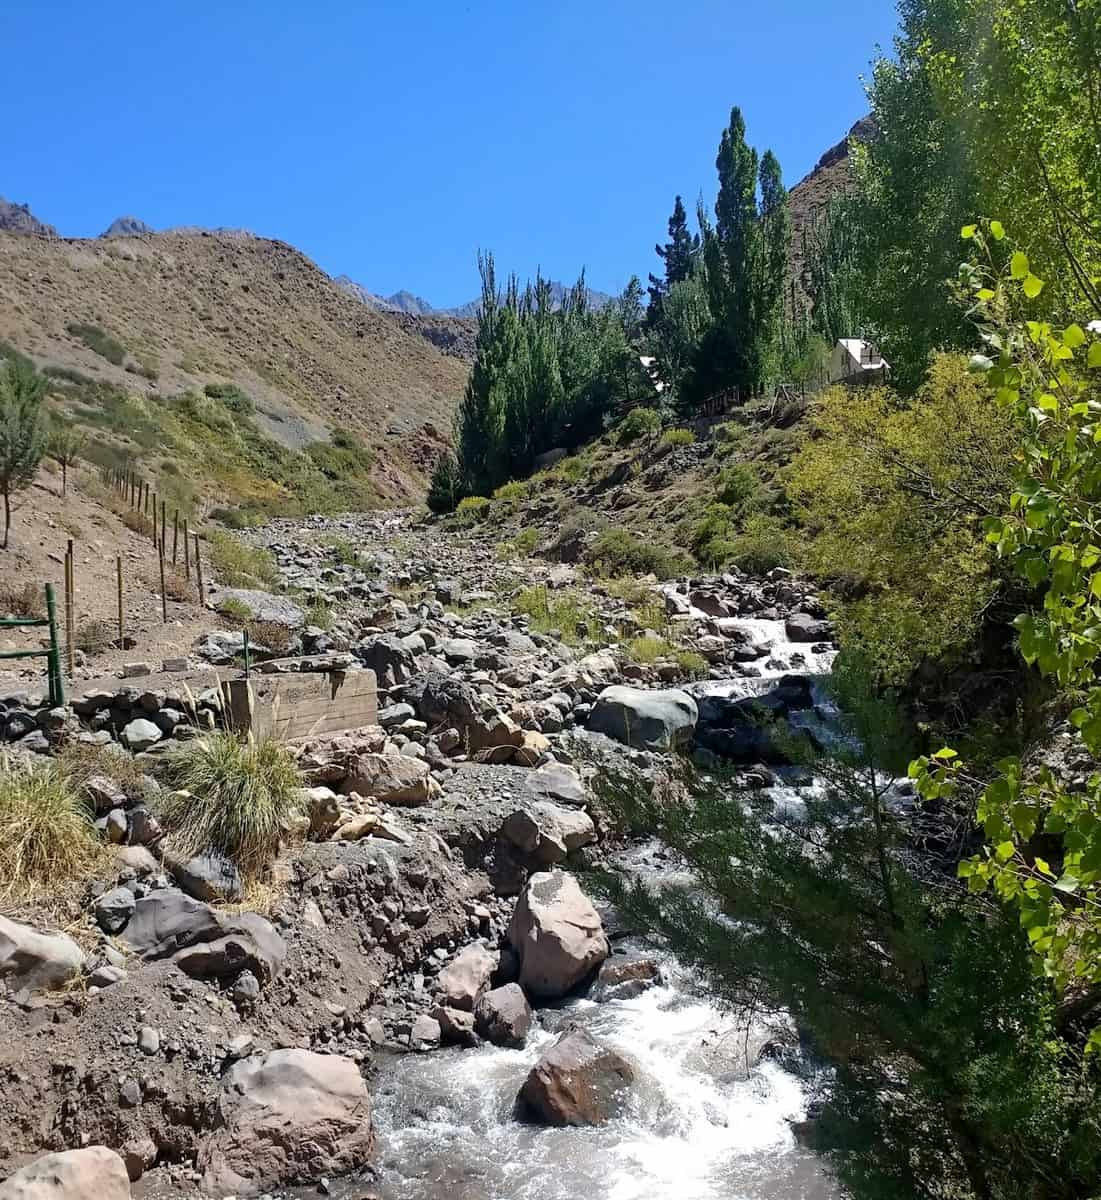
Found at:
[391, 778]
[466, 976]
[558, 783]
[289, 1116]
[140, 734]
[803, 627]
[503, 1016]
[389, 658]
[209, 876]
[578, 1081]
[201, 942]
[548, 833]
[557, 935]
[33, 962]
[262, 606]
[94, 1173]
[646, 720]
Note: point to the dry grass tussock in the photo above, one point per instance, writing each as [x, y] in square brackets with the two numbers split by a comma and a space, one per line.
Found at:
[236, 797]
[47, 836]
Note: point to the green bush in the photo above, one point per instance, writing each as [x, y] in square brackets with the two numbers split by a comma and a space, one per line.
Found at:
[235, 612]
[514, 490]
[617, 551]
[739, 484]
[320, 614]
[236, 400]
[473, 510]
[570, 470]
[762, 544]
[47, 835]
[527, 539]
[102, 343]
[564, 613]
[238, 565]
[638, 423]
[672, 438]
[238, 798]
[67, 375]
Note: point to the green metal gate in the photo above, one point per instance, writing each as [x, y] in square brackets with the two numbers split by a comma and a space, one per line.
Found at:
[52, 655]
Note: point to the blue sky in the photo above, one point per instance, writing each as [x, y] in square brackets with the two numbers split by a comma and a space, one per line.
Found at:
[390, 140]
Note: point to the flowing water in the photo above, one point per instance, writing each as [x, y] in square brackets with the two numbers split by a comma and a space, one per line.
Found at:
[706, 1119]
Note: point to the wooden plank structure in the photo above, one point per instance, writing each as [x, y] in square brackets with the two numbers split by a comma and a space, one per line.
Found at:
[300, 704]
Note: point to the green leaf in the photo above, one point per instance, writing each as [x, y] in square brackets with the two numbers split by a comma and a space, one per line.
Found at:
[968, 232]
[1067, 884]
[1074, 336]
[1032, 286]
[997, 230]
[946, 754]
[1093, 358]
[986, 293]
[1018, 265]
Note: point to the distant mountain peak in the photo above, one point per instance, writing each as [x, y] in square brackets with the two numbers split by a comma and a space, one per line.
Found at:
[126, 227]
[18, 218]
[417, 306]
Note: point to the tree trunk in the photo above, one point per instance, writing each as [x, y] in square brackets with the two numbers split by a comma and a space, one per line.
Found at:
[64, 478]
[7, 517]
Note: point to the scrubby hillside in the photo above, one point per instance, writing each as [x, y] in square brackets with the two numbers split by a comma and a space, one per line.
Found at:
[143, 318]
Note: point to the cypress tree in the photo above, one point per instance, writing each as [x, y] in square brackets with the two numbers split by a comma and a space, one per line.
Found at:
[678, 255]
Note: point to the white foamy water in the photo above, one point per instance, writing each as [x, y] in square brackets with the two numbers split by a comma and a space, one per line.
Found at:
[698, 1125]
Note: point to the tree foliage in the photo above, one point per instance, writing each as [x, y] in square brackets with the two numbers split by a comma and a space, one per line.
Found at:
[23, 430]
[892, 493]
[1044, 834]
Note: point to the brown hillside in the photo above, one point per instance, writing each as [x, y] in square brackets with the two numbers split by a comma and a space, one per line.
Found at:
[195, 309]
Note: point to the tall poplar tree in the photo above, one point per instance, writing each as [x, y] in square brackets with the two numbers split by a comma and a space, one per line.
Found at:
[678, 256]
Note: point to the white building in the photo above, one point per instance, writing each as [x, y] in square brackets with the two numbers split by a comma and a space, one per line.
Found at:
[855, 360]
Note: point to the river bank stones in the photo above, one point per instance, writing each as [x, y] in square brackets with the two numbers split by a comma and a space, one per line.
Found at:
[578, 1081]
[557, 935]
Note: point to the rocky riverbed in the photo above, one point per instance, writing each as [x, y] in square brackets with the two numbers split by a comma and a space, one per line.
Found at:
[427, 900]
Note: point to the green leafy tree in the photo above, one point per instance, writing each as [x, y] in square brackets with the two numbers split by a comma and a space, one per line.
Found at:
[892, 494]
[65, 445]
[1043, 831]
[445, 487]
[23, 430]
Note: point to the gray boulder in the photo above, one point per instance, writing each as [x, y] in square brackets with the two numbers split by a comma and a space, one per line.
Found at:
[262, 606]
[578, 1081]
[71, 1175]
[167, 921]
[391, 661]
[289, 1116]
[548, 833]
[391, 778]
[802, 627]
[558, 783]
[210, 876]
[557, 935]
[33, 962]
[140, 734]
[503, 1016]
[646, 720]
[114, 909]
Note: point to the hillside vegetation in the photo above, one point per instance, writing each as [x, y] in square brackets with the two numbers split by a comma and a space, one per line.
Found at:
[132, 330]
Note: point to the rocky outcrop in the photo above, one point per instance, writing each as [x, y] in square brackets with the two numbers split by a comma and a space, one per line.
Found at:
[548, 833]
[33, 962]
[95, 1173]
[557, 935]
[390, 778]
[289, 1116]
[578, 1081]
[645, 720]
[265, 607]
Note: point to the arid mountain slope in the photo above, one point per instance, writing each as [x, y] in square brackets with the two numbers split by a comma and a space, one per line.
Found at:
[194, 309]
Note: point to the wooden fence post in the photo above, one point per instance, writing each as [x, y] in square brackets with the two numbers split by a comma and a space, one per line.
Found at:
[187, 551]
[118, 573]
[164, 592]
[57, 681]
[199, 573]
[175, 534]
[164, 517]
[70, 604]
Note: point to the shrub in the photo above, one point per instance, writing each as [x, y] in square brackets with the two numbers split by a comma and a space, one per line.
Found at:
[617, 551]
[92, 637]
[80, 762]
[638, 423]
[47, 835]
[739, 485]
[271, 634]
[67, 375]
[648, 649]
[137, 521]
[473, 510]
[319, 614]
[237, 798]
[235, 612]
[231, 396]
[693, 665]
[762, 544]
[343, 549]
[527, 539]
[22, 600]
[145, 370]
[672, 438]
[102, 343]
[238, 565]
[178, 587]
[563, 613]
[570, 470]
[516, 489]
